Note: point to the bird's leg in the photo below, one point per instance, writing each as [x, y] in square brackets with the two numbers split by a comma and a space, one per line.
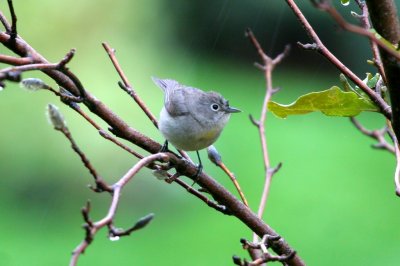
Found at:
[199, 170]
[164, 147]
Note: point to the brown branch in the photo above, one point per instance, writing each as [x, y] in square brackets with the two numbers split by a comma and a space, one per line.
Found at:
[121, 129]
[378, 135]
[216, 158]
[58, 122]
[327, 7]
[107, 136]
[11, 60]
[61, 65]
[364, 18]
[268, 66]
[385, 20]
[127, 86]
[13, 30]
[94, 227]
[320, 47]
[5, 23]
[103, 132]
[262, 248]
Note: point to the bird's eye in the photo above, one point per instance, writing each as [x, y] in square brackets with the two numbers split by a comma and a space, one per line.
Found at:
[214, 107]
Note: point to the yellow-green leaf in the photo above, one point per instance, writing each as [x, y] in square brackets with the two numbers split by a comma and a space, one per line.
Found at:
[331, 102]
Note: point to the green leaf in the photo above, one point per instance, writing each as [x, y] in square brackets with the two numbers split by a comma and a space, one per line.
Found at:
[331, 102]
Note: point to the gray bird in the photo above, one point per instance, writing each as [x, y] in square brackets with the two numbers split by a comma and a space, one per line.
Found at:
[191, 119]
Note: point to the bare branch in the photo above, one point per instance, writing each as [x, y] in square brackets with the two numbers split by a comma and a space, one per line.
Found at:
[377, 99]
[214, 157]
[5, 23]
[385, 20]
[61, 126]
[13, 30]
[364, 18]
[268, 66]
[126, 86]
[93, 227]
[11, 60]
[262, 248]
[327, 7]
[378, 135]
[67, 80]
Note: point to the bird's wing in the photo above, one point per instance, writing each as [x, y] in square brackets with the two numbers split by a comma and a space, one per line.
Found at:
[174, 96]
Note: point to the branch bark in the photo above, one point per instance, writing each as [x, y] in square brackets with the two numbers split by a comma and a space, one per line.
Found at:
[385, 20]
[70, 82]
[319, 46]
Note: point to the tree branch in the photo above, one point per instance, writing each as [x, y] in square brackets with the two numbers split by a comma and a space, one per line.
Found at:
[93, 227]
[364, 18]
[385, 20]
[69, 81]
[320, 47]
[326, 6]
[268, 64]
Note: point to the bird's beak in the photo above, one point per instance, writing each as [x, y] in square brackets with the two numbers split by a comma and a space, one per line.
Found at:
[232, 110]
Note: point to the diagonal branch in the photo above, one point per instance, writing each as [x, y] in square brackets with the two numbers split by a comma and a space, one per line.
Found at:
[327, 7]
[127, 86]
[93, 227]
[121, 129]
[378, 135]
[4, 22]
[321, 48]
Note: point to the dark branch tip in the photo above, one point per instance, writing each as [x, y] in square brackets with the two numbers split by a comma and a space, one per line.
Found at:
[248, 32]
[254, 121]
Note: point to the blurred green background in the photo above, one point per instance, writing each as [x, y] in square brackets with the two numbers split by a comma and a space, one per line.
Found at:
[333, 200]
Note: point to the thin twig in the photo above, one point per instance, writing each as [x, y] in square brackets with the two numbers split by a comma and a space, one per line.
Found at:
[378, 135]
[320, 47]
[364, 18]
[5, 23]
[216, 158]
[234, 181]
[268, 65]
[327, 7]
[25, 64]
[116, 192]
[11, 60]
[262, 248]
[100, 183]
[13, 31]
[103, 132]
[127, 86]
[123, 130]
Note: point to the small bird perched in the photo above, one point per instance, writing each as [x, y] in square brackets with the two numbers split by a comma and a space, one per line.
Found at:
[191, 119]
